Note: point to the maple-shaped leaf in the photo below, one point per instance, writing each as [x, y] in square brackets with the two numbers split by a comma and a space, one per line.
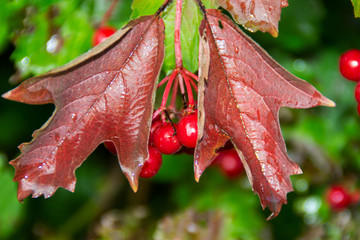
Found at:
[263, 15]
[106, 94]
[241, 89]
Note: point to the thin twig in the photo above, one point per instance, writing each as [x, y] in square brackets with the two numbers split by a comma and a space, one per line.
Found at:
[108, 13]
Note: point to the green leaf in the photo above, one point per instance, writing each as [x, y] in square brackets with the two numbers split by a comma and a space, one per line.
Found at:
[70, 29]
[10, 209]
[10, 18]
[356, 4]
[145, 7]
[190, 22]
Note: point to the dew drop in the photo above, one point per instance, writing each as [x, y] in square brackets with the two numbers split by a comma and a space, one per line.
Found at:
[236, 50]
[299, 65]
[25, 61]
[26, 176]
[53, 44]
[74, 117]
[57, 137]
[284, 3]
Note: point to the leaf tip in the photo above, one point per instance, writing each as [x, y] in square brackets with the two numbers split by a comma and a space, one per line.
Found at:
[275, 208]
[133, 181]
[197, 171]
[272, 216]
[329, 103]
[6, 95]
[21, 195]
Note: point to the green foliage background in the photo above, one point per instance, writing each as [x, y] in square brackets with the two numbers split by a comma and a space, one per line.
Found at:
[324, 141]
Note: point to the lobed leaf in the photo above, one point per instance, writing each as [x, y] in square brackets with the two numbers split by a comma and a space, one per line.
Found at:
[241, 90]
[106, 94]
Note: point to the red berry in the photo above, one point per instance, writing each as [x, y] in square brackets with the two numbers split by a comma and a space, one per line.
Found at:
[101, 34]
[187, 130]
[338, 197]
[165, 140]
[154, 125]
[357, 92]
[350, 65]
[110, 146]
[228, 145]
[229, 163]
[355, 197]
[153, 164]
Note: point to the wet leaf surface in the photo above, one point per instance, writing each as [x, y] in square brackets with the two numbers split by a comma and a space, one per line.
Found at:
[106, 94]
[241, 90]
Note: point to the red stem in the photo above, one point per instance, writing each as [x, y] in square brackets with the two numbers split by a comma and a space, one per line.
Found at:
[192, 75]
[108, 14]
[167, 89]
[172, 105]
[178, 56]
[189, 91]
[193, 84]
[163, 81]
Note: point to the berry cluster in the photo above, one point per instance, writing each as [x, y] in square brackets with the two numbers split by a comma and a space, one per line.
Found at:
[350, 69]
[340, 198]
[167, 137]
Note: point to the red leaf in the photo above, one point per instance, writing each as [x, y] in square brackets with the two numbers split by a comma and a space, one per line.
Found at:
[106, 94]
[263, 15]
[241, 89]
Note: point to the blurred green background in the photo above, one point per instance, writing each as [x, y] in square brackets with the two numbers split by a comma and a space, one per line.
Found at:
[38, 35]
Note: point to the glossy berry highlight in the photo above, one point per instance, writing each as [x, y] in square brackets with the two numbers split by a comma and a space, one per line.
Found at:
[338, 198]
[101, 34]
[153, 164]
[165, 139]
[350, 65]
[229, 163]
[187, 130]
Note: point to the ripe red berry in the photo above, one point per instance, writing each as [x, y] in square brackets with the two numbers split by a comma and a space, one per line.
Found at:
[154, 125]
[101, 34]
[187, 130]
[153, 164]
[229, 163]
[110, 146]
[350, 65]
[357, 92]
[165, 140]
[355, 197]
[338, 197]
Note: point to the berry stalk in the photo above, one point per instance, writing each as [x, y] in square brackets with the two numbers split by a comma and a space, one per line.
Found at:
[178, 56]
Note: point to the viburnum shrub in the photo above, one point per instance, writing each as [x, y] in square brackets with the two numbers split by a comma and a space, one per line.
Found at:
[231, 84]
